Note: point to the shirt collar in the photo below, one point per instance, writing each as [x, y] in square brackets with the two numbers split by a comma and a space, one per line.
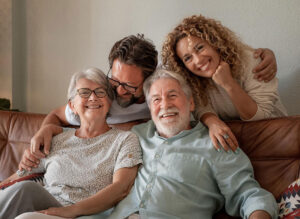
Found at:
[196, 126]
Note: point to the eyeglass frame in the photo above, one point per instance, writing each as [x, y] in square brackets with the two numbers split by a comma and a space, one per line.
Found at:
[91, 91]
[122, 84]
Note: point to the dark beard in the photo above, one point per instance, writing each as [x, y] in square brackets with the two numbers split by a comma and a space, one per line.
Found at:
[125, 103]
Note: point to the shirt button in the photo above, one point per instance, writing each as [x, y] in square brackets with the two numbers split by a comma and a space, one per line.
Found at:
[149, 186]
[157, 156]
[142, 205]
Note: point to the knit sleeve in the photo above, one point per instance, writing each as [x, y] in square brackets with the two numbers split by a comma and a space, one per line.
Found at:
[264, 94]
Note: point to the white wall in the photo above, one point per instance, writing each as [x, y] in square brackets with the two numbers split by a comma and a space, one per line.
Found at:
[61, 37]
[5, 49]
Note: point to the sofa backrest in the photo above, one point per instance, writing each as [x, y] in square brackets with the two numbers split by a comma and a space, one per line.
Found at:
[273, 145]
[16, 130]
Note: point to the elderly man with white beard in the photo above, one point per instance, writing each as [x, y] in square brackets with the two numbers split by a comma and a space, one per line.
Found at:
[183, 176]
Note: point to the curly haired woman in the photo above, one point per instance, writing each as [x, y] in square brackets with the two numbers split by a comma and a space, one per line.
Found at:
[218, 66]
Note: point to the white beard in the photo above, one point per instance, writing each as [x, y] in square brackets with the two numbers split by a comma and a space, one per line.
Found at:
[176, 125]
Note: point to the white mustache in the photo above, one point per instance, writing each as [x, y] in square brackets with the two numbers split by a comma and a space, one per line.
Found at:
[168, 111]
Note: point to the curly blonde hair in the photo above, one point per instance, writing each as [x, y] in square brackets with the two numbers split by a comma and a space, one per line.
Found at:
[220, 38]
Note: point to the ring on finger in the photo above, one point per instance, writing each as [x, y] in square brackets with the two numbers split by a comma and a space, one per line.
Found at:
[225, 136]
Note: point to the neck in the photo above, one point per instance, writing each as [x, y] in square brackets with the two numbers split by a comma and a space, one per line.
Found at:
[92, 129]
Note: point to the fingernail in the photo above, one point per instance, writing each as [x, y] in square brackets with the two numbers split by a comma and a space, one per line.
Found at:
[236, 151]
[219, 150]
[229, 151]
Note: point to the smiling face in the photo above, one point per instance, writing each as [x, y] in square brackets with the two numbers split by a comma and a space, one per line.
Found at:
[130, 75]
[198, 56]
[93, 107]
[169, 106]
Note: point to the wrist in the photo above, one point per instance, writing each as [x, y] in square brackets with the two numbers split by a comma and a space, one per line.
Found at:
[230, 86]
[209, 118]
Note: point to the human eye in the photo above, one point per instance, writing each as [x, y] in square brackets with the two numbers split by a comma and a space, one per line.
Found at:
[199, 47]
[187, 58]
[155, 100]
[84, 92]
[100, 92]
[129, 88]
[113, 82]
[172, 95]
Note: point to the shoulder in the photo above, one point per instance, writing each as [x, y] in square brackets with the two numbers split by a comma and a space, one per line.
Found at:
[144, 129]
[249, 62]
[67, 133]
[122, 135]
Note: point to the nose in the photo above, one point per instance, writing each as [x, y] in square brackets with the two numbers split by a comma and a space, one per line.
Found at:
[120, 90]
[165, 103]
[196, 60]
[93, 96]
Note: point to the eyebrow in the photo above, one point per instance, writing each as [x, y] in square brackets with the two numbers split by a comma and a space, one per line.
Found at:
[168, 92]
[128, 82]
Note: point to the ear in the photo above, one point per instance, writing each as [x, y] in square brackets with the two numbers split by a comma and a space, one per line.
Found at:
[192, 104]
[72, 107]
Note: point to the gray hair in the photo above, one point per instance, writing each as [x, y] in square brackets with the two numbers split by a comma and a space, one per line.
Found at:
[163, 73]
[92, 74]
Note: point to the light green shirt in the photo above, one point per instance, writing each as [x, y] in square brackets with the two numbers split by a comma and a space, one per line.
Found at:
[185, 177]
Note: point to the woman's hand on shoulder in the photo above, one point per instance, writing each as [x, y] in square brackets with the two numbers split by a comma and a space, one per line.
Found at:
[223, 76]
[267, 68]
[41, 141]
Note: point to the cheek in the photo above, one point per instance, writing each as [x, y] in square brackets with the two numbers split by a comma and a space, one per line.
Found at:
[154, 111]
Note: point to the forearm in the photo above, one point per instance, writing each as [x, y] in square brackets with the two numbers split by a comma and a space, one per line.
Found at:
[56, 117]
[9, 179]
[103, 200]
[243, 103]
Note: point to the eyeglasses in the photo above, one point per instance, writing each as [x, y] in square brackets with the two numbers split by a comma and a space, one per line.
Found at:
[86, 92]
[115, 84]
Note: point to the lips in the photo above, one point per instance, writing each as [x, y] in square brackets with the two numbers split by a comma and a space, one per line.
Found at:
[93, 106]
[204, 67]
[166, 115]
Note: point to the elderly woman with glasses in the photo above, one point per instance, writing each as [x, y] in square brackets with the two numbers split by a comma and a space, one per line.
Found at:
[89, 169]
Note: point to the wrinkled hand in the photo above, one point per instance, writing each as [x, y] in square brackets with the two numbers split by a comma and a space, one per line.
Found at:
[217, 131]
[28, 161]
[66, 212]
[41, 141]
[223, 76]
[267, 68]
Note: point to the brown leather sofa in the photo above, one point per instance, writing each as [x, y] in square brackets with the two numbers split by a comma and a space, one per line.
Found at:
[273, 146]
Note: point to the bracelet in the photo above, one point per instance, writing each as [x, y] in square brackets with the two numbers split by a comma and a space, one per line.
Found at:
[21, 172]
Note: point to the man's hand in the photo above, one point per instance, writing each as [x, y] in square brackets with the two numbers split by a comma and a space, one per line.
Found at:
[28, 161]
[259, 214]
[41, 141]
[267, 68]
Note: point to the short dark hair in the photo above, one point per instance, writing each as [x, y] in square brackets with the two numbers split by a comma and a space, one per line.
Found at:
[135, 50]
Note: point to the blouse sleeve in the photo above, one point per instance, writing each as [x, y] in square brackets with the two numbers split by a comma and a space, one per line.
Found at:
[264, 94]
[130, 153]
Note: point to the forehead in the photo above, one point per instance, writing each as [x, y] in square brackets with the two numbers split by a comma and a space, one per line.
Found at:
[187, 43]
[165, 85]
[86, 83]
[126, 73]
